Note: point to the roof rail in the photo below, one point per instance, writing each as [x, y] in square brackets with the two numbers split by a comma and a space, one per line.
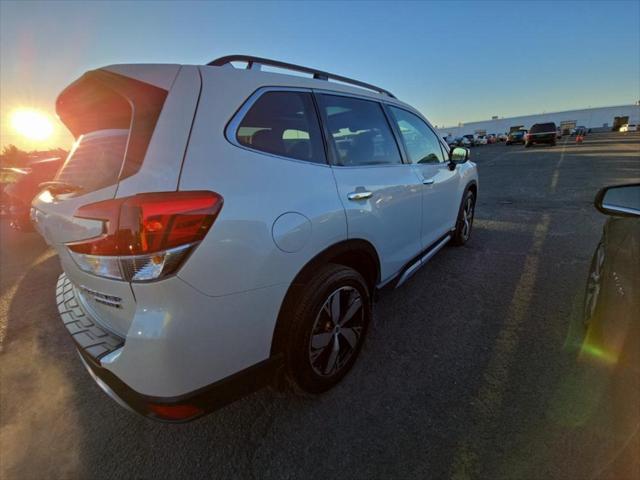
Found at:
[257, 62]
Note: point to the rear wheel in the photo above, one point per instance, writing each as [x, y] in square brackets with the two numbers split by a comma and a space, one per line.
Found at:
[328, 326]
[527, 145]
[594, 285]
[464, 223]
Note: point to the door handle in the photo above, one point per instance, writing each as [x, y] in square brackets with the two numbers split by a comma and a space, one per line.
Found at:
[428, 181]
[359, 195]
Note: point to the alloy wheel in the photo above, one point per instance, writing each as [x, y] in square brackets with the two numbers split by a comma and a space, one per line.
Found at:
[467, 217]
[337, 331]
[593, 285]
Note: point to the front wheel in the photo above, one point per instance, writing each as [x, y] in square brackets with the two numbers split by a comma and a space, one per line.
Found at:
[465, 219]
[327, 329]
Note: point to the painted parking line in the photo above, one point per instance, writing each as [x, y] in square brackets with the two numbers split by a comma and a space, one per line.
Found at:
[556, 172]
[501, 225]
[488, 402]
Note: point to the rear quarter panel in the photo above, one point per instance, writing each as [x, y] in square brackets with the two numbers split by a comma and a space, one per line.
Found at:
[239, 253]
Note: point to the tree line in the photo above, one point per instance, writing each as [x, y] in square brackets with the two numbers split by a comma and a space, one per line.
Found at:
[12, 156]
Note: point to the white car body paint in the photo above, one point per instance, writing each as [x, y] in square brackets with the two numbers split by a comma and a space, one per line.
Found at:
[217, 315]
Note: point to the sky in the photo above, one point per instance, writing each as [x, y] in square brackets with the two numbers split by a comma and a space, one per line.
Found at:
[454, 61]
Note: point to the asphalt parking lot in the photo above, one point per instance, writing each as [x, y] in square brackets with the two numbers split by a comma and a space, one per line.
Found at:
[470, 369]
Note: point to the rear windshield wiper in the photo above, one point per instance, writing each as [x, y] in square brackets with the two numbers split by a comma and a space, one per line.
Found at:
[58, 187]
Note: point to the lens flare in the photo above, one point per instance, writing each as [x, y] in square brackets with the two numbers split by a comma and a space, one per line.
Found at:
[32, 124]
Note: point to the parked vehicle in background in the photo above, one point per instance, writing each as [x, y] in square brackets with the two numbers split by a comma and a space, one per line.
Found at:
[462, 142]
[8, 175]
[579, 130]
[612, 294]
[492, 138]
[182, 287]
[629, 127]
[503, 137]
[22, 187]
[544, 133]
[558, 133]
[451, 140]
[481, 140]
[471, 138]
[516, 137]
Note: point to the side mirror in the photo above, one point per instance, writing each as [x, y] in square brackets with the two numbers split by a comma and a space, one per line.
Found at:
[459, 155]
[619, 200]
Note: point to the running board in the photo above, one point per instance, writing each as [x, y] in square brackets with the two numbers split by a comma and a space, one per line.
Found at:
[408, 273]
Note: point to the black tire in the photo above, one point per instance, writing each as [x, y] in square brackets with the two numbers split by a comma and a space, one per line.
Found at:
[464, 223]
[508, 143]
[309, 369]
[527, 145]
[594, 285]
[553, 144]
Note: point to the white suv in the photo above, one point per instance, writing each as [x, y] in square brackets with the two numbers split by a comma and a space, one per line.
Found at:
[221, 226]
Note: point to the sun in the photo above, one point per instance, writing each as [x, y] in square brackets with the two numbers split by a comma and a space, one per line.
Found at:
[32, 124]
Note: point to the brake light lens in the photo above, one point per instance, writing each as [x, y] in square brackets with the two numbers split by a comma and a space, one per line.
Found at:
[145, 237]
[175, 412]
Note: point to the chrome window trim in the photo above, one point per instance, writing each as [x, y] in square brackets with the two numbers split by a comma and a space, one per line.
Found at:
[231, 130]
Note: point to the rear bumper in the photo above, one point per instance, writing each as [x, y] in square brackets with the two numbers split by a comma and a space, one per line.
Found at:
[547, 138]
[191, 406]
[149, 370]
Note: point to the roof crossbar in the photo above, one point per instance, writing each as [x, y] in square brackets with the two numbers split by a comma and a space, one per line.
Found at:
[257, 62]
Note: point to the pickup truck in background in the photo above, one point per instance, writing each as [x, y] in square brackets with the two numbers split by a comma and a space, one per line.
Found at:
[541, 133]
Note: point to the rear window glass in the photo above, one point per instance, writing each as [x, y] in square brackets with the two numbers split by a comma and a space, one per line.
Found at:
[95, 161]
[543, 127]
[284, 124]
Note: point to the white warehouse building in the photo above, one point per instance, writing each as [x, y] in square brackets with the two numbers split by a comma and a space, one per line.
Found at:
[598, 119]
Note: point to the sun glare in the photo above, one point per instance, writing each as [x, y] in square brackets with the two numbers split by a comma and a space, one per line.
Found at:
[32, 124]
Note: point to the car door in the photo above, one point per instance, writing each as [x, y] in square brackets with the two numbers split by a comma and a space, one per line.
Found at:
[381, 194]
[440, 196]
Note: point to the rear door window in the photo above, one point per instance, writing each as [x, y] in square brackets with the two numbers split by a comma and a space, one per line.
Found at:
[283, 124]
[95, 160]
[359, 131]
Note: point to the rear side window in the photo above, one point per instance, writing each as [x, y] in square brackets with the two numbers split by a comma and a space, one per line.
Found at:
[284, 124]
[543, 127]
[421, 143]
[95, 160]
[359, 130]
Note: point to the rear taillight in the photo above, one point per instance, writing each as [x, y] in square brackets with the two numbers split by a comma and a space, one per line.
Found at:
[180, 412]
[145, 237]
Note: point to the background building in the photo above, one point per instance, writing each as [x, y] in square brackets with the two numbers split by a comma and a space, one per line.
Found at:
[601, 118]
